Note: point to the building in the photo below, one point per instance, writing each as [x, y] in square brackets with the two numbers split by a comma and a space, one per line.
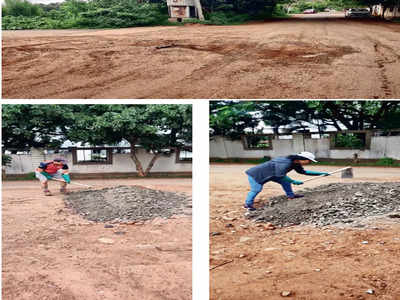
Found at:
[182, 9]
[391, 12]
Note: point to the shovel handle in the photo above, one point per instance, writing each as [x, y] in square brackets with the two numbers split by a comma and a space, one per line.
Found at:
[336, 171]
[76, 183]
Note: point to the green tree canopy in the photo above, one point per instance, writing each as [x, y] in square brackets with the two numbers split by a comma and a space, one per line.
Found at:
[232, 119]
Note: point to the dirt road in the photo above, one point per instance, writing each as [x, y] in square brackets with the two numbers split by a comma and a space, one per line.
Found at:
[328, 263]
[49, 253]
[298, 58]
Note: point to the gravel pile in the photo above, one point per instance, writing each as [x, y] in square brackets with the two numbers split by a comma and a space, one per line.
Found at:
[127, 204]
[332, 203]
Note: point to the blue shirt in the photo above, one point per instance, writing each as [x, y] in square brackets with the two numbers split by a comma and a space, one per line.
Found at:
[277, 167]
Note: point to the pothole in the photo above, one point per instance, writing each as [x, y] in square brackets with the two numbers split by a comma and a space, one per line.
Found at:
[127, 204]
[331, 204]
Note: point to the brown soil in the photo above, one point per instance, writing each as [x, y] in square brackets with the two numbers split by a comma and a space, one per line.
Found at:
[296, 58]
[50, 253]
[332, 262]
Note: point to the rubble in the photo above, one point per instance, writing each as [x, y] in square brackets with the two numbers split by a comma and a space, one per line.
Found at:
[332, 203]
[127, 203]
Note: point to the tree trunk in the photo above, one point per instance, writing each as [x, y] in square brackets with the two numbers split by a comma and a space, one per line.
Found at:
[151, 164]
[199, 9]
[138, 164]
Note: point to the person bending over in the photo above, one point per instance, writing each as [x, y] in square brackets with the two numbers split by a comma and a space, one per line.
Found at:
[275, 170]
[57, 169]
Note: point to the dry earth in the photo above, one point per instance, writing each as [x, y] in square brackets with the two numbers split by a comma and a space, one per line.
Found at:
[304, 57]
[335, 262]
[50, 253]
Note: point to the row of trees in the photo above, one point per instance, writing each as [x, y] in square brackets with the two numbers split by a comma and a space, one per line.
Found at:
[153, 127]
[21, 14]
[233, 119]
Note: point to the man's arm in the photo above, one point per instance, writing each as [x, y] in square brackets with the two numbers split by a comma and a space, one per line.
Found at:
[315, 173]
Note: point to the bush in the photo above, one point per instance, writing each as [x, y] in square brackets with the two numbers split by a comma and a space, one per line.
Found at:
[20, 8]
[348, 141]
[6, 160]
[226, 18]
[386, 161]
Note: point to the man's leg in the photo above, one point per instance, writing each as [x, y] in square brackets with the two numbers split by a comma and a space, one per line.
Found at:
[63, 184]
[43, 183]
[255, 189]
[287, 187]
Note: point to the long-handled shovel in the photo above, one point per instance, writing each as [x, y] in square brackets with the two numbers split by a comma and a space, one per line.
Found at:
[347, 172]
[76, 183]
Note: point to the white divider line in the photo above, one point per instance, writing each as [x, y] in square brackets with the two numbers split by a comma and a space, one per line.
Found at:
[200, 221]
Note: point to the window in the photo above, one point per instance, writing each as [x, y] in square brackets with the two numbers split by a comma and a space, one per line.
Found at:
[184, 155]
[89, 156]
[257, 142]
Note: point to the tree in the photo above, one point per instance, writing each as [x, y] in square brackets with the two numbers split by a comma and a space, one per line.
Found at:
[156, 128]
[25, 126]
[357, 115]
[232, 118]
[20, 8]
[72, 8]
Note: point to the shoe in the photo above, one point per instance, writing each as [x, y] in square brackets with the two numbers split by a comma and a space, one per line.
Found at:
[64, 191]
[296, 196]
[249, 207]
[47, 193]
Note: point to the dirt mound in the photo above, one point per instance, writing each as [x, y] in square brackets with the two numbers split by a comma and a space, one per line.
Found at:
[332, 203]
[127, 204]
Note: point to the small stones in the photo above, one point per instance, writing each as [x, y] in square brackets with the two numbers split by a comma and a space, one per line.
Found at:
[215, 233]
[228, 218]
[370, 291]
[119, 232]
[394, 216]
[244, 239]
[242, 255]
[364, 242]
[106, 241]
[336, 203]
[286, 293]
[127, 204]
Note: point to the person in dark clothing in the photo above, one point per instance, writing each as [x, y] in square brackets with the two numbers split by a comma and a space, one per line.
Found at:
[57, 169]
[275, 170]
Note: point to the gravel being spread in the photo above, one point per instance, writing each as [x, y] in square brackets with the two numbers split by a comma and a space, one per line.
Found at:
[332, 203]
[128, 204]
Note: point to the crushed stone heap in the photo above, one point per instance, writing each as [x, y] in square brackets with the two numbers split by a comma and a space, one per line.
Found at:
[127, 204]
[331, 203]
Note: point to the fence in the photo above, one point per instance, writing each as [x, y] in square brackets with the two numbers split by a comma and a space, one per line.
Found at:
[374, 147]
[99, 161]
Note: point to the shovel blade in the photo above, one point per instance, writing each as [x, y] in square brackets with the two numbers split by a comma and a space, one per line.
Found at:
[348, 173]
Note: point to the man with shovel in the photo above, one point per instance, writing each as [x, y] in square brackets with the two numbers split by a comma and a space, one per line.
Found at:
[275, 170]
[56, 169]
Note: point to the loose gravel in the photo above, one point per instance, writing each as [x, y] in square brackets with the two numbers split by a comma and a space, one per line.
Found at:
[331, 204]
[128, 204]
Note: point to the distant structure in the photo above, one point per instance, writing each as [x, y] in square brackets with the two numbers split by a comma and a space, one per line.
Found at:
[179, 10]
[390, 13]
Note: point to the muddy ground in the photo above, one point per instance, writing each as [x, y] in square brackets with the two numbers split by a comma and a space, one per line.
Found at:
[308, 57]
[51, 253]
[250, 261]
